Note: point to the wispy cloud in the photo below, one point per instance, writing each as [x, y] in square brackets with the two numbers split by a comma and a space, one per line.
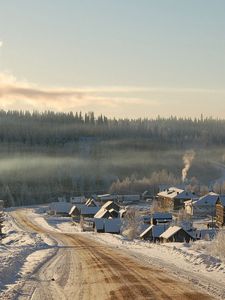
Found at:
[21, 94]
[1, 44]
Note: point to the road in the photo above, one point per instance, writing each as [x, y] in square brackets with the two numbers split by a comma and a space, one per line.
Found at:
[84, 269]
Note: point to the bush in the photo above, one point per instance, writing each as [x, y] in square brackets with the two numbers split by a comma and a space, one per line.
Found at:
[218, 245]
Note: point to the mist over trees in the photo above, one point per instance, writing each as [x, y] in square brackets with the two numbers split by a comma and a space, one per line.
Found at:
[45, 155]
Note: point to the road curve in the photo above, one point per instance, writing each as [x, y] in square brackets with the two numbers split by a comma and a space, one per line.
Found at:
[85, 269]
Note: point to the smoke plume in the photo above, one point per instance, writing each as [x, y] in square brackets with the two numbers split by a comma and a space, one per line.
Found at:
[187, 159]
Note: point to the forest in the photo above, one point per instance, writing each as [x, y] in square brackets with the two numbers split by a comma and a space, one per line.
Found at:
[45, 155]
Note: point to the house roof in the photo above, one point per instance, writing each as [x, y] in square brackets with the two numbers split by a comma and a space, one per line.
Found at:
[174, 193]
[209, 199]
[170, 232]
[89, 210]
[157, 230]
[101, 213]
[60, 207]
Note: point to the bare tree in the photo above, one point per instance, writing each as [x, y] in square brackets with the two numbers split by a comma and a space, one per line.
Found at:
[131, 224]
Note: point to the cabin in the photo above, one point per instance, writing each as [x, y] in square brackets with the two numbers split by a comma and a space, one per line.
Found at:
[108, 225]
[60, 208]
[176, 234]
[174, 198]
[109, 209]
[87, 210]
[161, 218]
[220, 211]
[153, 232]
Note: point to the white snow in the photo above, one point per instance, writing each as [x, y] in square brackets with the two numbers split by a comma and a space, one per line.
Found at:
[21, 252]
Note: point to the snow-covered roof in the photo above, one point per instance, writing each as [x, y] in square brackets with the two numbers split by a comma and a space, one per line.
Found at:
[174, 193]
[101, 213]
[170, 232]
[91, 202]
[60, 207]
[157, 230]
[207, 200]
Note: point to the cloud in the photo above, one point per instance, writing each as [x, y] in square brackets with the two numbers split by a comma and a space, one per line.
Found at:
[21, 94]
[112, 100]
[1, 44]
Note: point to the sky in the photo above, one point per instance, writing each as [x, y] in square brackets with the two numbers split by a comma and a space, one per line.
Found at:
[121, 58]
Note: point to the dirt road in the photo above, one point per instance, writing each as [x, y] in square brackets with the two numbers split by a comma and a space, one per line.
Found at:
[84, 269]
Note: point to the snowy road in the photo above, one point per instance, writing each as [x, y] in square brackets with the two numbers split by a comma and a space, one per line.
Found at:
[84, 269]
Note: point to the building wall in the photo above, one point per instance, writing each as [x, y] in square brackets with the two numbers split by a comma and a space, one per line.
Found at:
[220, 214]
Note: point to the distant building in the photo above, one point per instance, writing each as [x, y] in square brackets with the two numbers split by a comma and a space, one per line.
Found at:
[174, 197]
[220, 211]
[60, 208]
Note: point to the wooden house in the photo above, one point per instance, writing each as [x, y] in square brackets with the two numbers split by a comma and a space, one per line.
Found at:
[176, 234]
[220, 211]
[174, 198]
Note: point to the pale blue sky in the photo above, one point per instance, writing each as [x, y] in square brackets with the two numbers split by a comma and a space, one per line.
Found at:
[176, 47]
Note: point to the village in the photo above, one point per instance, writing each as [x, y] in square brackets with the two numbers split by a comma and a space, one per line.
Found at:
[173, 215]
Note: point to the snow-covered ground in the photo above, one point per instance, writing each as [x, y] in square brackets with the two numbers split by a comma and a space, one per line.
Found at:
[21, 252]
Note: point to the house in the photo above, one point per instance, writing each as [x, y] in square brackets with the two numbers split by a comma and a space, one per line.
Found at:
[174, 197]
[87, 210]
[60, 208]
[109, 209]
[220, 211]
[108, 218]
[205, 205]
[108, 225]
[176, 234]
[161, 217]
[153, 232]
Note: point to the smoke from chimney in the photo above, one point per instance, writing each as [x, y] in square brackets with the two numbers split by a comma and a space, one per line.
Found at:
[187, 159]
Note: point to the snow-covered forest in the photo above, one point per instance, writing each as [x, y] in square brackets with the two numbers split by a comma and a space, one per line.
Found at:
[45, 155]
